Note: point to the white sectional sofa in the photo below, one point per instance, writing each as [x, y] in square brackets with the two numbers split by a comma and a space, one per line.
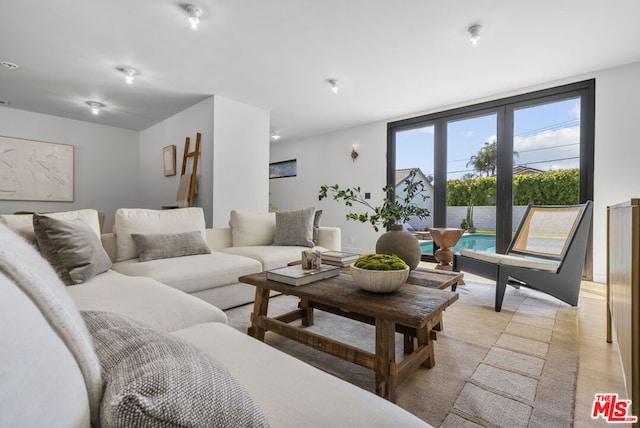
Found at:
[243, 248]
[66, 358]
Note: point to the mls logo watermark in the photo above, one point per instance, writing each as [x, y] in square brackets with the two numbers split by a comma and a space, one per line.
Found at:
[611, 409]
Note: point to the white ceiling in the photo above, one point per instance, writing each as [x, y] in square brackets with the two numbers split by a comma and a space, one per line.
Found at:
[392, 57]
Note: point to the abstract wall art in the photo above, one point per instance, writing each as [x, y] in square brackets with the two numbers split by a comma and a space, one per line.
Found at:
[35, 170]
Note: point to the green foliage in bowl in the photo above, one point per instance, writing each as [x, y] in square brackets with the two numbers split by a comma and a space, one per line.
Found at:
[380, 262]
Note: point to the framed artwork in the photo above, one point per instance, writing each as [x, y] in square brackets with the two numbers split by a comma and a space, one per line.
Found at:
[169, 159]
[35, 170]
[283, 169]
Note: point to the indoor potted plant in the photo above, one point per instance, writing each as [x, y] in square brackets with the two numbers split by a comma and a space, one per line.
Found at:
[380, 273]
[392, 214]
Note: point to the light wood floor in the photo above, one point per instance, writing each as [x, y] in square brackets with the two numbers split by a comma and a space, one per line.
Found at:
[599, 369]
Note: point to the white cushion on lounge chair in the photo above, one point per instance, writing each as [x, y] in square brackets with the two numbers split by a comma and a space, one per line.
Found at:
[511, 260]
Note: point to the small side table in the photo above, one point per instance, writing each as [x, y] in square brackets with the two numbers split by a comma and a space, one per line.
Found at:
[445, 238]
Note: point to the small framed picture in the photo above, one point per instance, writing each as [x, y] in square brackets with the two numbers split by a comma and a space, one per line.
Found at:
[169, 159]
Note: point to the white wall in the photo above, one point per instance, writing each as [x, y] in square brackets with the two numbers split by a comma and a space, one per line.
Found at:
[325, 160]
[105, 161]
[617, 150]
[158, 190]
[240, 159]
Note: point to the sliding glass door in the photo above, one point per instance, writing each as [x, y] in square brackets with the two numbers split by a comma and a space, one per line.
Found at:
[484, 163]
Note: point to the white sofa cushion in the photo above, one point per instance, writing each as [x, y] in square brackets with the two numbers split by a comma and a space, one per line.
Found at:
[143, 221]
[276, 381]
[21, 263]
[23, 223]
[271, 256]
[145, 300]
[511, 260]
[39, 375]
[249, 228]
[192, 273]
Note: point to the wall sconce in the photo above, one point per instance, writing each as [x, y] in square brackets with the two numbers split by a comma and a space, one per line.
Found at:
[354, 153]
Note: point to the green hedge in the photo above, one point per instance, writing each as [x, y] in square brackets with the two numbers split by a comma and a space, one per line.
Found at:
[560, 187]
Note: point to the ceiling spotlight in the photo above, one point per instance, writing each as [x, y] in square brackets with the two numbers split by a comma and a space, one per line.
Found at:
[129, 73]
[474, 30]
[194, 15]
[275, 136]
[9, 65]
[95, 107]
[334, 85]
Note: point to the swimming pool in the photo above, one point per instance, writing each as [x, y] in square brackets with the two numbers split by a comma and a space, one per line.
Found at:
[471, 241]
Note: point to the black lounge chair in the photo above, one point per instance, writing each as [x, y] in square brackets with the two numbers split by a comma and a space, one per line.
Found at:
[547, 253]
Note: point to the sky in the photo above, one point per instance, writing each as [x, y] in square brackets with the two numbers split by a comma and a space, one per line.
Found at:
[547, 137]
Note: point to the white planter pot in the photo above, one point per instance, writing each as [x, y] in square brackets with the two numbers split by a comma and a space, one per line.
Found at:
[379, 281]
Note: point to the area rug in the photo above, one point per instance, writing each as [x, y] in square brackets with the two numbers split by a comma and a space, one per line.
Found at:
[514, 368]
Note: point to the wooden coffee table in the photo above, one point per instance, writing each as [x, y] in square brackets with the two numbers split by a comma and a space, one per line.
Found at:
[413, 311]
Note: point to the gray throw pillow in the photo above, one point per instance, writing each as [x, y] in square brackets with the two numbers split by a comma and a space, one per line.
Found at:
[164, 246]
[153, 379]
[71, 247]
[294, 227]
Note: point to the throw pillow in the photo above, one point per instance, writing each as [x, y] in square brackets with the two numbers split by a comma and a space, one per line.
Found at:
[164, 246]
[295, 227]
[248, 229]
[316, 226]
[71, 247]
[153, 379]
[144, 221]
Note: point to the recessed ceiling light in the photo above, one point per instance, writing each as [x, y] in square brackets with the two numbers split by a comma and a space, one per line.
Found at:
[194, 13]
[129, 73]
[95, 106]
[335, 85]
[275, 136]
[10, 65]
[474, 30]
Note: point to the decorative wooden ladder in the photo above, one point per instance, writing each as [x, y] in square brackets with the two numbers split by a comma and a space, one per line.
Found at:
[188, 180]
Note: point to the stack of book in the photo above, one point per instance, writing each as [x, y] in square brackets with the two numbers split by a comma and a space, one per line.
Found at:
[295, 275]
[338, 258]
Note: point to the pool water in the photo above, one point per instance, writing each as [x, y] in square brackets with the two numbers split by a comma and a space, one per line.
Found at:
[471, 241]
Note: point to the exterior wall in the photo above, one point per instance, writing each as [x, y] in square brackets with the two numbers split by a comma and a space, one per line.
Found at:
[483, 217]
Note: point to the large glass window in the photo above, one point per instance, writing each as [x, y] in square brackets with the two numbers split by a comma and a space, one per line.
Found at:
[486, 162]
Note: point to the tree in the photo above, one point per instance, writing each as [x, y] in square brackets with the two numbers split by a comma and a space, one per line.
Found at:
[486, 161]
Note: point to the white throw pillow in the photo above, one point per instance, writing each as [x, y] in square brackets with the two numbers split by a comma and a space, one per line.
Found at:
[144, 221]
[252, 228]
